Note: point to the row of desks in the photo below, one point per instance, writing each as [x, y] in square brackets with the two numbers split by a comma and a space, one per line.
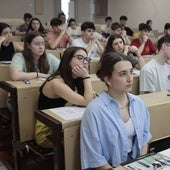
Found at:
[24, 101]
[157, 103]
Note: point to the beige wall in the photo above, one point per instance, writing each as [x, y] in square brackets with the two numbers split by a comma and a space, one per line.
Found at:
[16, 9]
[137, 11]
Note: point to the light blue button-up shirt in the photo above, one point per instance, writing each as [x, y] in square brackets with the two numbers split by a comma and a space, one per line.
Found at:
[103, 132]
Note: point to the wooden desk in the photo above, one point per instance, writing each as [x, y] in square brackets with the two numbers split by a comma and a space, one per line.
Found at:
[135, 86]
[157, 103]
[71, 132]
[4, 75]
[24, 98]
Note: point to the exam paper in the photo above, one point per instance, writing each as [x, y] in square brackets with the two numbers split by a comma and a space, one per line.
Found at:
[69, 112]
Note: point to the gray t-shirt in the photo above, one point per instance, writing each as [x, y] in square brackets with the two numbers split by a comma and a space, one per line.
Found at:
[18, 61]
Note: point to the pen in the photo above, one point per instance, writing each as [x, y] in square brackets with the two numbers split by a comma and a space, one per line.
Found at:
[26, 81]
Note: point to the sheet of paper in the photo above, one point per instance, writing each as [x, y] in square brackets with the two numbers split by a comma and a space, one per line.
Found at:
[69, 112]
[166, 153]
[136, 72]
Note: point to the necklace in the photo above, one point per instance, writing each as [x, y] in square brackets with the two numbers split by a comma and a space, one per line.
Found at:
[122, 107]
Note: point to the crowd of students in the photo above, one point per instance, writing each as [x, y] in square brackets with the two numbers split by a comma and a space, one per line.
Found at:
[115, 125]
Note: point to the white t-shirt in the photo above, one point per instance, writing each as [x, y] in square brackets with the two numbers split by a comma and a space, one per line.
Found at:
[93, 53]
[74, 33]
[154, 77]
[106, 29]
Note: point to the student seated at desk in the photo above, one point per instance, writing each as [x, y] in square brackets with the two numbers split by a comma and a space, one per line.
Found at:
[7, 46]
[116, 43]
[36, 25]
[70, 83]
[115, 125]
[155, 75]
[33, 62]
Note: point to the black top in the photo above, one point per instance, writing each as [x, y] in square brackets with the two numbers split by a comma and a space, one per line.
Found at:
[129, 32]
[132, 59]
[47, 103]
[7, 52]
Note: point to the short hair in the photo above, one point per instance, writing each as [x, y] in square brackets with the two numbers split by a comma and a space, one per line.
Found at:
[55, 22]
[167, 26]
[123, 17]
[115, 26]
[70, 21]
[60, 14]
[87, 25]
[164, 39]
[108, 18]
[144, 27]
[27, 15]
[148, 21]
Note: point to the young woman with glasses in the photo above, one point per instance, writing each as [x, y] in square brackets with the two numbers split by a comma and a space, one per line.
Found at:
[70, 83]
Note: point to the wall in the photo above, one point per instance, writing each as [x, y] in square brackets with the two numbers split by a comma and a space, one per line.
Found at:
[139, 11]
[16, 9]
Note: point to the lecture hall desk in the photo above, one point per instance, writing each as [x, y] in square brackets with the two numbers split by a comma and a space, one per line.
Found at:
[4, 75]
[158, 105]
[24, 101]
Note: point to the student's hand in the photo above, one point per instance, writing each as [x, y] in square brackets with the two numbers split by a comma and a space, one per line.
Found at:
[145, 38]
[2, 39]
[94, 38]
[42, 75]
[80, 71]
[134, 49]
[124, 33]
[126, 49]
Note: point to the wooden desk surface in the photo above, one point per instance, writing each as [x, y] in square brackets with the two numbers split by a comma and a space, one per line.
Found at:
[27, 101]
[4, 75]
[4, 72]
[158, 105]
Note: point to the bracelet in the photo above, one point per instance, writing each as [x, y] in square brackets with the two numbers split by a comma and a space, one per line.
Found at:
[86, 78]
[37, 75]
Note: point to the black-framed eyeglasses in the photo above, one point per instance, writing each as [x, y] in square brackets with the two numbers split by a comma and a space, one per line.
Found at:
[82, 58]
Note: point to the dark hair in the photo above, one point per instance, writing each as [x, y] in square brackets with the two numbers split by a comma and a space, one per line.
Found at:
[29, 60]
[108, 18]
[3, 26]
[65, 70]
[164, 39]
[70, 21]
[41, 29]
[27, 15]
[148, 21]
[87, 25]
[107, 64]
[60, 14]
[144, 27]
[108, 47]
[55, 22]
[115, 26]
[123, 17]
[167, 26]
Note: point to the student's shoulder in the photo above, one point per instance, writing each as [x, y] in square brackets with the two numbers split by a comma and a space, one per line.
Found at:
[18, 55]
[150, 65]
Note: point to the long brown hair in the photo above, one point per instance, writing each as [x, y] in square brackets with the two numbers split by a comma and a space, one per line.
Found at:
[65, 70]
[43, 64]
